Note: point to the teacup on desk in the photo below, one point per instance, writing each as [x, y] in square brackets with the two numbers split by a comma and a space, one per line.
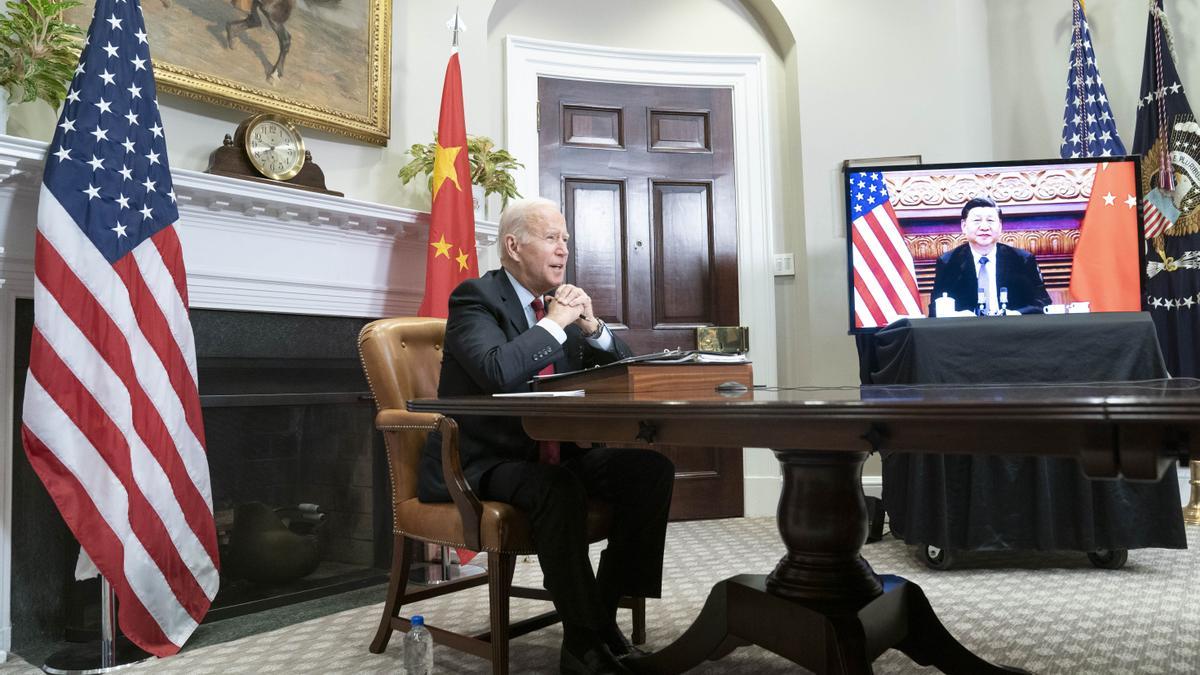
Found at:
[1054, 309]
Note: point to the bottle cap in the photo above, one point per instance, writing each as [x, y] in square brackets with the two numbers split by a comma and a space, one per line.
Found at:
[418, 620]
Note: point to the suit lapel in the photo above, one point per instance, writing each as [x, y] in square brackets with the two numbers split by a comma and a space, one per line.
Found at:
[1003, 260]
[970, 281]
[509, 303]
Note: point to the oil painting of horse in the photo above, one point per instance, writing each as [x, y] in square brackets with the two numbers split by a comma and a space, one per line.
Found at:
[323, 63]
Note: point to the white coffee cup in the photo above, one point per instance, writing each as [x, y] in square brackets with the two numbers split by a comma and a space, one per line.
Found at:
[1054, 309]
[1079, 307]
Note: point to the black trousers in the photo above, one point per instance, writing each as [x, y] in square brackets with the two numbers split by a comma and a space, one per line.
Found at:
[637, 483]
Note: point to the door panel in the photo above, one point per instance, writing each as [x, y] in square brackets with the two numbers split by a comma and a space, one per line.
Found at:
[595, 211]
[682, 226]
[596, 127]
[675, 131]
[645, 178]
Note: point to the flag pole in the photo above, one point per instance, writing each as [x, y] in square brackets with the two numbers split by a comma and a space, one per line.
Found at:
[108, 624]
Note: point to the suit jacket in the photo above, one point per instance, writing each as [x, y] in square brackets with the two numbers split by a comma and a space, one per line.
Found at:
[1016, 270]
[490, 348]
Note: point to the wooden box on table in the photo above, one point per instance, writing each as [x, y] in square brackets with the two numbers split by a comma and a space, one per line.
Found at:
[650, 381]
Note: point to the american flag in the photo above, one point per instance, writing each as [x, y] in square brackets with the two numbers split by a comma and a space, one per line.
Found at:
[1089, 129]
[111, 421]
[885, 284]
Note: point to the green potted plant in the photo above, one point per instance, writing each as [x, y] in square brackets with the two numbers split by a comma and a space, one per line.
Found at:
[491, 167]
[38, 52]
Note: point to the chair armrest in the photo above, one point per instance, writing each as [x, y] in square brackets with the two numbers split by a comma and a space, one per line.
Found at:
[470, 509]
[395, 419]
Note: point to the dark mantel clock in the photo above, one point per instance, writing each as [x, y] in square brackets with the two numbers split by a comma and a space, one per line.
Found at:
[268, 148]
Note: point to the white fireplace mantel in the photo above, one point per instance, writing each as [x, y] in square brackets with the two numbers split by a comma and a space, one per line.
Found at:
[247, 246]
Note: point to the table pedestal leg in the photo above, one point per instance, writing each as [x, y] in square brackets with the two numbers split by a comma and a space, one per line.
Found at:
[822, 607]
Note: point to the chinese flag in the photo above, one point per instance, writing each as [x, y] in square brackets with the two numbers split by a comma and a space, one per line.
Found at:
[1105, 269]
[450, 258]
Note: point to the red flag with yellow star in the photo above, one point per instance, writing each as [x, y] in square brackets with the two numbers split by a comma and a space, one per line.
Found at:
[1104, 271]
[451, 257]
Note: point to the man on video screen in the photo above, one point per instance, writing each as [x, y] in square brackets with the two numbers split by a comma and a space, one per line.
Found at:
[985, 265]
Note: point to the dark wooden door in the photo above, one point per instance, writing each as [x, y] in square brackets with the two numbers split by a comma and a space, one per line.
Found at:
[645, 177]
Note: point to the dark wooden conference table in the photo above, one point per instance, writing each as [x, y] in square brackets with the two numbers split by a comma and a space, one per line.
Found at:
[823, 606]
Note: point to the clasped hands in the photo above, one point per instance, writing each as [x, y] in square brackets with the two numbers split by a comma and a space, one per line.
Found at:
[570, 304]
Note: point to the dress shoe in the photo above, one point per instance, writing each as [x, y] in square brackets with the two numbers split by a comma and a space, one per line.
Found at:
[595, 659]
[618, 644]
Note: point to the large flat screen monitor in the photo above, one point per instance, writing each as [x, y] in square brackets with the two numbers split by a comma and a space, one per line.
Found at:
[1063, 233]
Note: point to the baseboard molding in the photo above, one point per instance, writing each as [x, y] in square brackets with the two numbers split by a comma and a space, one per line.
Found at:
[873, 486]
[1185, 489]
[762, 493]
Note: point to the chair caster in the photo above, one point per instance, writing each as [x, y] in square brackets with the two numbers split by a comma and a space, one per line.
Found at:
[936, 558]
[1109, 559]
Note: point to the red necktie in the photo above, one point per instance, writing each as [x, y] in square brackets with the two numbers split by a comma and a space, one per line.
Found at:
[548, 451]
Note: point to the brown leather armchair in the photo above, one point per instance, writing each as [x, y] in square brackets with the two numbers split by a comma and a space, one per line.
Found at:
[402, 358]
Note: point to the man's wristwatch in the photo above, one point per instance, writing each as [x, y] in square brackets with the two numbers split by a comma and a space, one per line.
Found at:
[599, 330]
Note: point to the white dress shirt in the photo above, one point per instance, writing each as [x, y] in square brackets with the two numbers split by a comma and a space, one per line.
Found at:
[993, 303]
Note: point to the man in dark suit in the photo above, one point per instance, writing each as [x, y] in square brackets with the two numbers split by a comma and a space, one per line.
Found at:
[503, 329]
[985, 265]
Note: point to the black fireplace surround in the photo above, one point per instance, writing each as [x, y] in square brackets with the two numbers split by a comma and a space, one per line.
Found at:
[299, 477]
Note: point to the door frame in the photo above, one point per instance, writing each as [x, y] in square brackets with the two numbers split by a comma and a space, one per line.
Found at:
[526, 59]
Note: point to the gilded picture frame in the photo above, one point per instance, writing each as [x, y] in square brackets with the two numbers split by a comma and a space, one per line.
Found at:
[335, 74]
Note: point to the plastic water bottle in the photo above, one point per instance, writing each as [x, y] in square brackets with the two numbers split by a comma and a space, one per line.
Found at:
[418, 648]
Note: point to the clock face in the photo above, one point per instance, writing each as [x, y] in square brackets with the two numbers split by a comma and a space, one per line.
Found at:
[274, 148]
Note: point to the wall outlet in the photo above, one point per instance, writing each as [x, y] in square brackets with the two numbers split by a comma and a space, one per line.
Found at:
[785, 265]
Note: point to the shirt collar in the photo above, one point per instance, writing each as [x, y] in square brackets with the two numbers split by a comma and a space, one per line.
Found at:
[990, 254]
[523, 294]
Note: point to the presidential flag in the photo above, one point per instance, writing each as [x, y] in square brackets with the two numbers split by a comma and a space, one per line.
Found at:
[1089, 129]
[885, 280]
[111, 421]
[1168, 139]
[450, 258]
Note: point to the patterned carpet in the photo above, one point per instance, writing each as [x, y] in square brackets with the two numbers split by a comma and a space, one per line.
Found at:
[1046, 613]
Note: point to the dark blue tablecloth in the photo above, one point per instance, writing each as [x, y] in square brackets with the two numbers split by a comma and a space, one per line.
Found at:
[965, 502]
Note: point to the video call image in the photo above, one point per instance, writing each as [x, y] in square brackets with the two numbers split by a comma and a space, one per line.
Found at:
[1058, 237]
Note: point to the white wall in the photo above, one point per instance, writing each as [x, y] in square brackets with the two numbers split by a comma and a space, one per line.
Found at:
[1030, 43]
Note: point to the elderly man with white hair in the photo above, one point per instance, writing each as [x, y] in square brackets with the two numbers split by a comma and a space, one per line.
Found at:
[503, 329]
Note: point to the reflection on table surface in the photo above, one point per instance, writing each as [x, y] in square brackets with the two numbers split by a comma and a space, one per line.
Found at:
[1176, 394]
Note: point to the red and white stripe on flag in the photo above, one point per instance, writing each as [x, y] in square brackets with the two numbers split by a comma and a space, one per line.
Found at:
[111, 421]
[885, 283]
[1153, 220]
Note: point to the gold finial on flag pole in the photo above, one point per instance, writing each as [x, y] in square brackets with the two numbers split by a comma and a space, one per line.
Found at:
[455, 26]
